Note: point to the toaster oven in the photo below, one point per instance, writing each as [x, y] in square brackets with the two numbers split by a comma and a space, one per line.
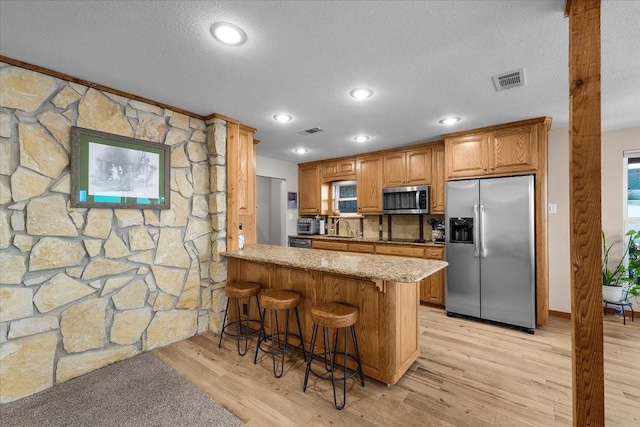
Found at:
[308, 226]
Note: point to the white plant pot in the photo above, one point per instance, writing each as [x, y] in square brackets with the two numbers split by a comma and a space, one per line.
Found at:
[612, 293]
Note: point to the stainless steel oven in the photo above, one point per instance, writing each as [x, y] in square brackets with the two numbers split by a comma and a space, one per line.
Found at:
[299, 242]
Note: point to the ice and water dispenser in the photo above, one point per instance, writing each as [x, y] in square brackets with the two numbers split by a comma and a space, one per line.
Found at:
[461, 230]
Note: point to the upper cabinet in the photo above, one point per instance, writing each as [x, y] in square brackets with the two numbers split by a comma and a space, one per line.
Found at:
[407, 167]
[466, 155]
[369, 178]
[437, 178]
[512, 148]
[241, 183]
[339, 169]
[309, 189]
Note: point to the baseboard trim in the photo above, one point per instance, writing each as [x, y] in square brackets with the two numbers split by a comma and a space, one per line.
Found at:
[562, 314]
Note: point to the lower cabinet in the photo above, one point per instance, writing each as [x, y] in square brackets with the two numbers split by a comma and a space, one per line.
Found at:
[431, 288]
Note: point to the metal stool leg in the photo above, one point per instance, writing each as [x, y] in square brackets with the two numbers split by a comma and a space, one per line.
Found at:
[224, 323]
[304, 353]
[332, 358]
[281, 346]
[261, 336]
[357, 351]
[314, 334]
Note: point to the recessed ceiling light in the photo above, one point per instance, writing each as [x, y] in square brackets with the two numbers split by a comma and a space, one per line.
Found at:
[301, 150]
[228, 33]
[361, 138]
[361, 93]
[281, 117]
[449, 120]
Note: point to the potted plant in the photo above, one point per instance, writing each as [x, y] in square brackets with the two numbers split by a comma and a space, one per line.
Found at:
[614, 279]
[634, 272]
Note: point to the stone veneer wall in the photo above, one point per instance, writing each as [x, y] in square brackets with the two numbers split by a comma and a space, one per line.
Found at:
[83, 288]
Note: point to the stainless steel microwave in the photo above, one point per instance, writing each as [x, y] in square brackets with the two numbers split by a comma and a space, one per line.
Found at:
[406, 200]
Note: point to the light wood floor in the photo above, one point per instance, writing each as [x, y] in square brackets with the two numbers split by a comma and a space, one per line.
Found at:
[468, 374]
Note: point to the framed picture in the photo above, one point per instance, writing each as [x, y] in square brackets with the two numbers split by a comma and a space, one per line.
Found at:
[292, 200]
[112, 171]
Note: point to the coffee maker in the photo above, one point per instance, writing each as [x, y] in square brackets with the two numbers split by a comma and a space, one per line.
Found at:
[438, 226]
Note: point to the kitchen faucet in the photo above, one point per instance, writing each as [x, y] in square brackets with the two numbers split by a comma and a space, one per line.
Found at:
[346, 222]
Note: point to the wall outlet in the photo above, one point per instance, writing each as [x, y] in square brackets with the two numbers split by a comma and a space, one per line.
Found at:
[552, 208]
[245, 309]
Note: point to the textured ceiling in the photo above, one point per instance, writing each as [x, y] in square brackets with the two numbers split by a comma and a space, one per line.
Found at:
[424, 59]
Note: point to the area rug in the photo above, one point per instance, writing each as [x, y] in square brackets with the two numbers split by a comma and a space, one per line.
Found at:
[140, 391]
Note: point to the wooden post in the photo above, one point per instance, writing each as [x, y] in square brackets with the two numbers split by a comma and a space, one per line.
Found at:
[585, 212]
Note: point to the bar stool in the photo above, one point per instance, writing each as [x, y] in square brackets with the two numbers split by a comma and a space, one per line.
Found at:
[237, 291]
[274, 301]
[337, 316]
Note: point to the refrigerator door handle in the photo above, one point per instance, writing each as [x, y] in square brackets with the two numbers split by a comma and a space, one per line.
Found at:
[483, 252]
[475, 230]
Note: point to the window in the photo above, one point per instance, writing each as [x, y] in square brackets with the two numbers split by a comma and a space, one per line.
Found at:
[632, 195]
[345, 197]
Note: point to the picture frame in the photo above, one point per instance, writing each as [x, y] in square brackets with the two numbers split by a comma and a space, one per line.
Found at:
[292, 200]
[113, 171]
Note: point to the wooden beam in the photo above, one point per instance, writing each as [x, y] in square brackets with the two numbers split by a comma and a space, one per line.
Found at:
[585, 212]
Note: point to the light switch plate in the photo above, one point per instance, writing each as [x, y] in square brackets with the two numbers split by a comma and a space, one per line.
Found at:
[553, 208]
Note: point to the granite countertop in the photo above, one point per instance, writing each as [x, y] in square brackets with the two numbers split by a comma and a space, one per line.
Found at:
[410, 242]
[367, 266]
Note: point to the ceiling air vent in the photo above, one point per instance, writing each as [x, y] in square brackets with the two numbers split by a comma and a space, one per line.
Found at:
[509, 80]
[310, 131]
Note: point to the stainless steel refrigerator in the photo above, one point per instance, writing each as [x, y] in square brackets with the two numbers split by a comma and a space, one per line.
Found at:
[491, 250]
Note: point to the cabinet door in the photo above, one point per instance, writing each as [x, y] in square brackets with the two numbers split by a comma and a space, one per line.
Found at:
[436, 289]
[411, 167]
[418, 166]
[394, 169]
[369, 181]
[432, 288]
[241, 181]
[467, 156]
[246, 173]
[513, 150]
[341, 169]
[437, 179]
[309, 200]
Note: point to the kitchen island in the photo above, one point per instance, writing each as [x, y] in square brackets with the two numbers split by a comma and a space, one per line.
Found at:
[384, 289]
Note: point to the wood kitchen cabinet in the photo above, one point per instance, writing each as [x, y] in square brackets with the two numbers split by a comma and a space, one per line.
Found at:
[437, 178]
[467, 156]
[330, 245]
[309, 189]
[400, 250]
[432, 289]
[339, 169]
[407, 167]
[241, 182]
[495, 151]
[369, 179]
[517, 148]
